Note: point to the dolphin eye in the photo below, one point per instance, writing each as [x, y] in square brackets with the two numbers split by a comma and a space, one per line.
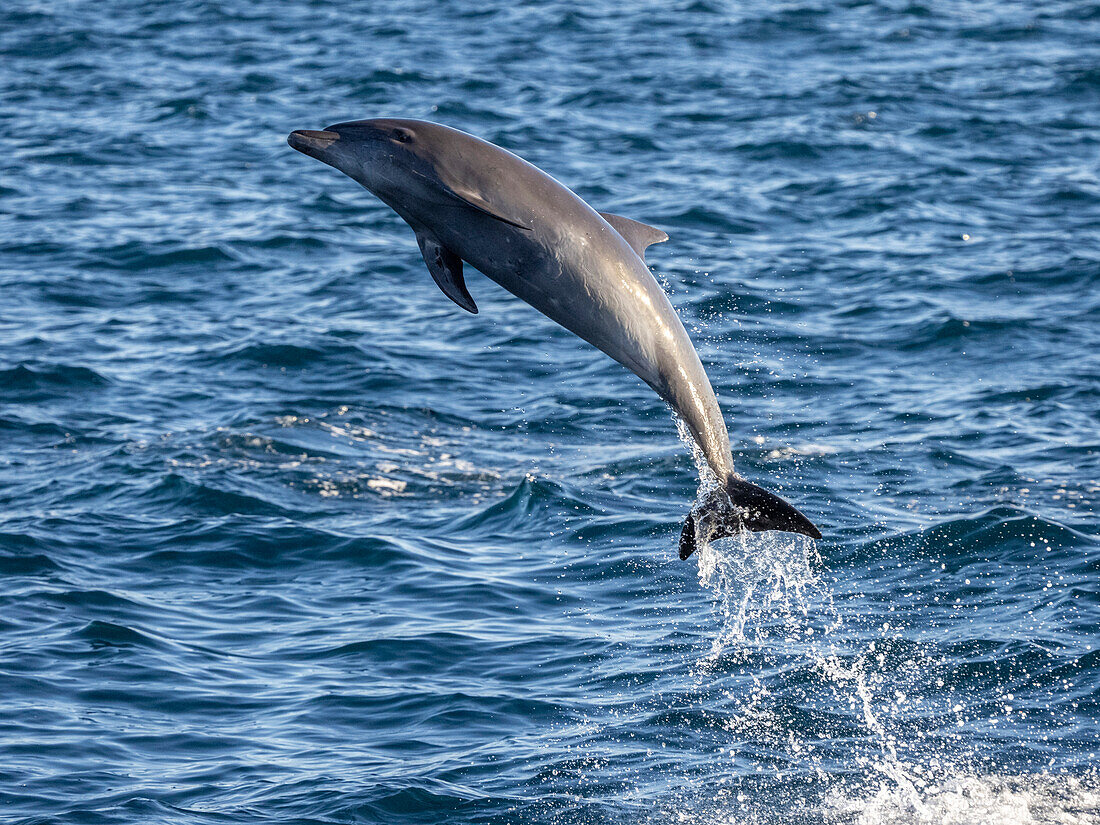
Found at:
[401, 136]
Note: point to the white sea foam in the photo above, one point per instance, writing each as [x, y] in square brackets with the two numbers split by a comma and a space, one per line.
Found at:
[966, 799]
[1030, 799]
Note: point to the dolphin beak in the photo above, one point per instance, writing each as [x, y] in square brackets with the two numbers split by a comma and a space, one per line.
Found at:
[312, 143]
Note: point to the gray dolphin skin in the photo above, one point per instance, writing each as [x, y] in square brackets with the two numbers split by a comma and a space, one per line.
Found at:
[469, 200]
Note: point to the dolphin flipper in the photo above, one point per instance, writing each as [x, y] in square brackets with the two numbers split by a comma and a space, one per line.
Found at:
[742, 506]
[639, 235]
[446, 269]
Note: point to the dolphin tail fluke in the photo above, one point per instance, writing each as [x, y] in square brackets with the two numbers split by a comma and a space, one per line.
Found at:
[742, 506]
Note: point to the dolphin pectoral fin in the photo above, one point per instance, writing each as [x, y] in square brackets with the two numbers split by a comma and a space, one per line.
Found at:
[741, 506]
[639, 235]
[479, 203]
[446, 269]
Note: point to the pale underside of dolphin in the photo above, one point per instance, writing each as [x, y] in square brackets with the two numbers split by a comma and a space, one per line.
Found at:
[469, 200]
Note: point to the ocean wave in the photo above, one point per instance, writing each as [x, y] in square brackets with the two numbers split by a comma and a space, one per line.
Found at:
[24, 562]
[241, 543]
[533, 501]
[176, 493]
[1015, 534]
[106, 634]
[142, 256]
[43, 380]
[950, 329]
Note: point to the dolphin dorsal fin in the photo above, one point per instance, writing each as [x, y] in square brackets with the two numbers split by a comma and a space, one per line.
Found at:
[639, 235]
[446, 269]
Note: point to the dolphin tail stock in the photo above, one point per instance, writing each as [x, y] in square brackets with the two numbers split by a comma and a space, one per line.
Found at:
[738, 507]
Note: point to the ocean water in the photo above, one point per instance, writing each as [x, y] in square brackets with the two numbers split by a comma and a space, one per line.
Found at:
[285, 536]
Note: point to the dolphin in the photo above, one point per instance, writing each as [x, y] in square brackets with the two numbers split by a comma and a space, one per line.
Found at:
[470, 200]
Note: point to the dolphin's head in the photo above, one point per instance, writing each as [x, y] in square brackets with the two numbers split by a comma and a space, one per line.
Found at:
[391, 158]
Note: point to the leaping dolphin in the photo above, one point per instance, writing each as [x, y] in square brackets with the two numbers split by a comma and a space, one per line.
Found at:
[468, 200]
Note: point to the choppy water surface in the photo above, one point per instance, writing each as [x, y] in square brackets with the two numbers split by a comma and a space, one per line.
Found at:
[286, 536]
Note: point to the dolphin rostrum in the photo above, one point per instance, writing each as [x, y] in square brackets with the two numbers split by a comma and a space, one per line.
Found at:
[469, 200]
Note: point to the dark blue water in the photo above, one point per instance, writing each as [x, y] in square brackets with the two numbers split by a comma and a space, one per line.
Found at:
[285, 536]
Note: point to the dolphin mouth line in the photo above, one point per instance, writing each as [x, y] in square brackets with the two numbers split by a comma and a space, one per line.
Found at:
[309, 141]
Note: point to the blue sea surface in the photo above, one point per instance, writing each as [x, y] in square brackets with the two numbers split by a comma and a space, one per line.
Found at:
[286, 536]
